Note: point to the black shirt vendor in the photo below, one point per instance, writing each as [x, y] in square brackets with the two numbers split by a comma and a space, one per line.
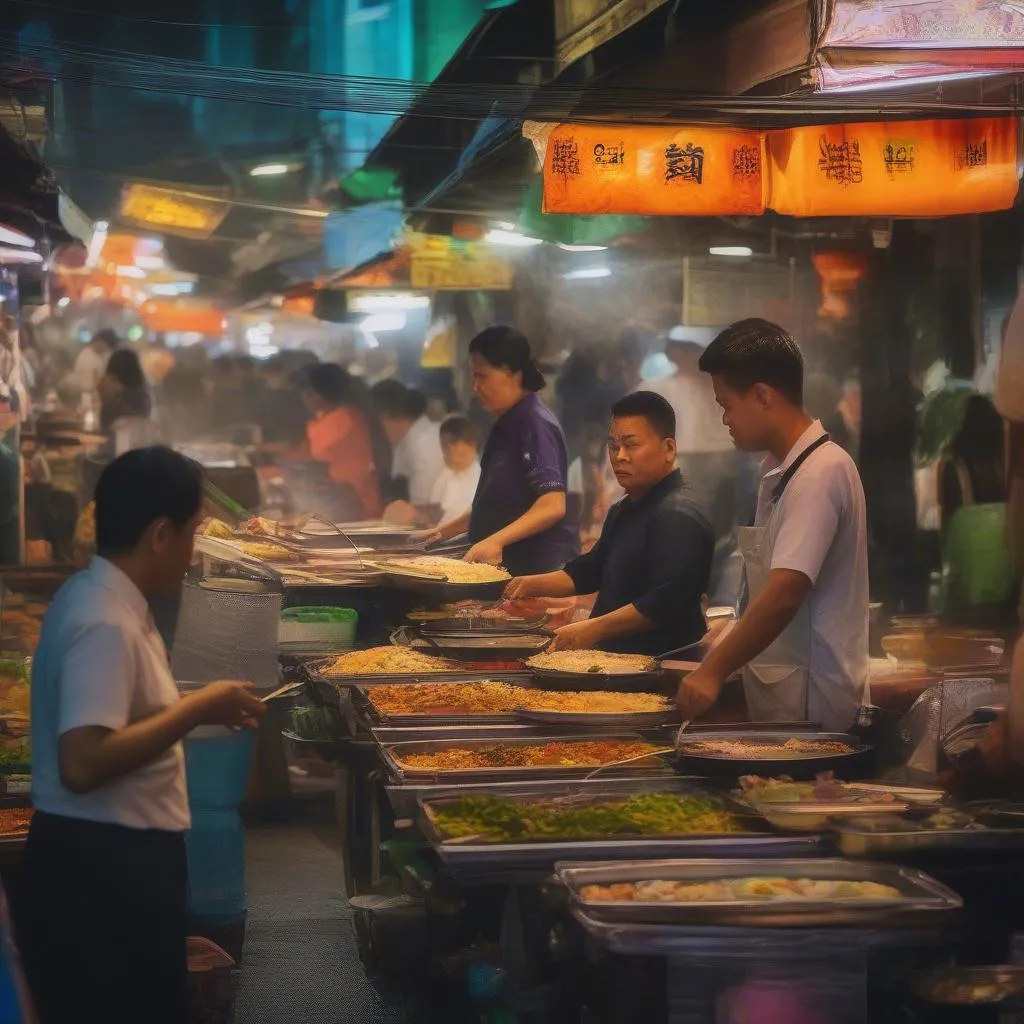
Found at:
[651, 565]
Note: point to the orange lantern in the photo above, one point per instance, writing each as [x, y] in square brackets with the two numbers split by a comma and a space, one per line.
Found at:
[175, 316]
[894, 168]
[689, 170]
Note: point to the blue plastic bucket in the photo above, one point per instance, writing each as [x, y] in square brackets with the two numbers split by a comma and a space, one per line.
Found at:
[217, 765]
[215, 847]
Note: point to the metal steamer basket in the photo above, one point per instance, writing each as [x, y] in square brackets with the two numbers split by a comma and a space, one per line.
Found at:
[467, 857]
[854, 764]
[923, 902]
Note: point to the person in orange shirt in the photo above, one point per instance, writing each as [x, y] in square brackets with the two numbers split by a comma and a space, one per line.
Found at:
[339, 433]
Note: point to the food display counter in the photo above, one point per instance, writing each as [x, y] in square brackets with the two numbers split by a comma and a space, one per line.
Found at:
[536, 817]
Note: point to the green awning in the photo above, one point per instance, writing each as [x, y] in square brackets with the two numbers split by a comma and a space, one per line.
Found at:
[571, 228]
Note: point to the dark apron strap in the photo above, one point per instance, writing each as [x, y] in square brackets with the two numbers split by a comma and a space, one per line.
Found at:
[744, 595]
[797, 463]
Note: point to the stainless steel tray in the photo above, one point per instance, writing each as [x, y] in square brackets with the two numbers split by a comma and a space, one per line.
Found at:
[854, 839]
[404, 797]
[375, 717]
[582, 720]
[924, 900]
[392, 753]
[471, 858]
[448, 675]
[559, 680]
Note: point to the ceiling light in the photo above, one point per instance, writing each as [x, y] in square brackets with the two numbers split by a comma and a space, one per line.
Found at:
[269, 170]
[136, 273]
[567, 247]
[380, 322]
[150, 262]
[587, 274]
[63, 303]
[11, 236]
[731, 250]
[499, 236]
[379, 303]
[19, 256]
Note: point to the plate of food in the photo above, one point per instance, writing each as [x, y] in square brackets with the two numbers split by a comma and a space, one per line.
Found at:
[595, 668]
[992, 986]
[754, 752]
[451, 578]
[807, 806]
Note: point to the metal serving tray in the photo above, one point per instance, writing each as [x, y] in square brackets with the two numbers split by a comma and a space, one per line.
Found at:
[801, 766]
[623, 681]
[583, 720]
[392, 755]
[854, 839]
[512, 646]
[375, 717]
[446, 675]
[473, 858]
[924, 900]
[405, 797]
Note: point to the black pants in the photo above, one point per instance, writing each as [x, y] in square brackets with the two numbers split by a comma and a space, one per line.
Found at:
[100, 918]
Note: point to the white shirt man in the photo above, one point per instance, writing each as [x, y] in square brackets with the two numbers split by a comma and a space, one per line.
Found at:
[101, 662]
[818, 527]
[419, 459]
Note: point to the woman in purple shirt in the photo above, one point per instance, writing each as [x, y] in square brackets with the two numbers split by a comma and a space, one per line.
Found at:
[518, 513]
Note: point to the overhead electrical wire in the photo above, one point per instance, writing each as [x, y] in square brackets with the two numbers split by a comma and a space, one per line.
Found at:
[466, 101]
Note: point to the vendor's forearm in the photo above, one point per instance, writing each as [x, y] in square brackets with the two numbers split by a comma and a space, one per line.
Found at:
[551, 584]
[765, 618]
[455, 527]
[624, 621]
[547, 511]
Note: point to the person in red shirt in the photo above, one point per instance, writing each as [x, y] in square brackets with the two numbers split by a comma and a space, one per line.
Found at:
[339, 433]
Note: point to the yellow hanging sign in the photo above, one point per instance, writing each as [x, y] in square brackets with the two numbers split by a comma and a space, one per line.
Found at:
[163, 208]
[695, 171]
[894, 168]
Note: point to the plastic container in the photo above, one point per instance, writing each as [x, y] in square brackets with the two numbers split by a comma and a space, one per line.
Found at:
[215, 846]
[324, 629]
[217, 766]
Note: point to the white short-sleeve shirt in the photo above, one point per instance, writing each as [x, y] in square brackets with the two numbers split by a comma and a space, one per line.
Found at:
[418, 457]
[101, 661]
[454, 491]
[819, 528]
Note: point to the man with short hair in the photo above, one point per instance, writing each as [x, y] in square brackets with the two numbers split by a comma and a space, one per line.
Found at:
[101, 913]
[650, 566]
[802, 640]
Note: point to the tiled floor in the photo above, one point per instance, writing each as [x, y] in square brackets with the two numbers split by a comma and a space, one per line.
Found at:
[300, 962]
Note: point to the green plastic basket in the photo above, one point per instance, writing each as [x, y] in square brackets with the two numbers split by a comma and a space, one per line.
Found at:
[322, 628]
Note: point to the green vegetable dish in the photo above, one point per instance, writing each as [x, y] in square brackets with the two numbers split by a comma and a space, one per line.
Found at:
[492, 819]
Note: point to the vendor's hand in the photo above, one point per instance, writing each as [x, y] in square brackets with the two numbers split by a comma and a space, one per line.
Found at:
[487, 550]
[228, 703]
[698, 692]
[519, 589]
[577, 636]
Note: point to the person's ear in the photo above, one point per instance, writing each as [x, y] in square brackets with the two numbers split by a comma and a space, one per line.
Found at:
[160, 535]
[670, 447]
[763, 395]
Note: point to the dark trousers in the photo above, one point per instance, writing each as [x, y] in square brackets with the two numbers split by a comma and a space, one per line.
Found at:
[100, 917]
